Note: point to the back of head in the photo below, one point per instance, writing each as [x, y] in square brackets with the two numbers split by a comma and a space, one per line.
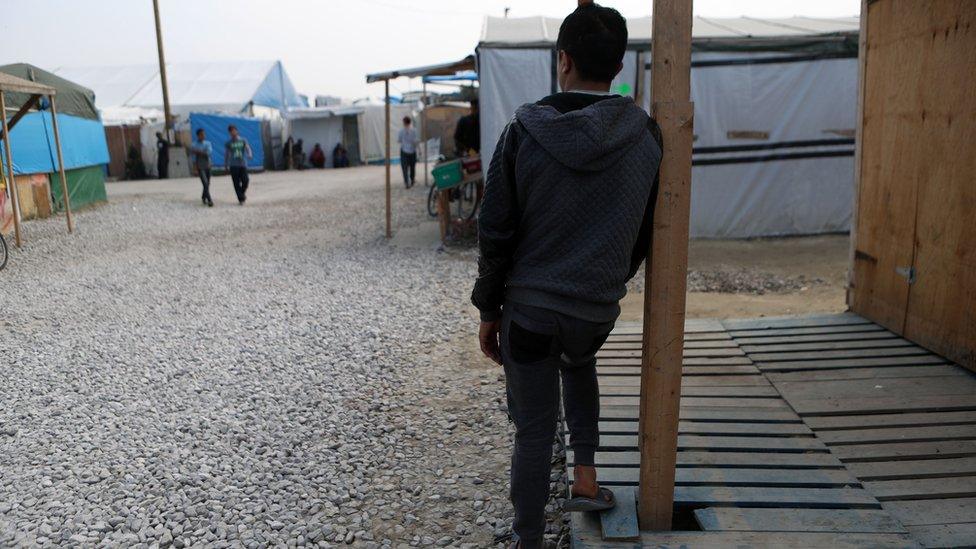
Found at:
[596, 38]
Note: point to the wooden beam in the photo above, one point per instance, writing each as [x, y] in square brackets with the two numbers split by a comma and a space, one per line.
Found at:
[667, 264]
[423, 129]
[64, 179]
[11, 183]
[386, 107]
[28, 105]
[862, 58]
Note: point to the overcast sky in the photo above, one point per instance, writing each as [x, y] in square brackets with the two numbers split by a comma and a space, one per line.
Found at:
[327, 46]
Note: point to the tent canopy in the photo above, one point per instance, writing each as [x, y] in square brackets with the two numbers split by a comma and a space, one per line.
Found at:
[442, 69]
[539, 31]
[218, 86]
[72, 98]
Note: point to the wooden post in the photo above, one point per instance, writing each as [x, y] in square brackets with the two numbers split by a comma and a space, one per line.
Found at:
[11, 183]
[423, 130]
[64, 179]
[862, 58]
[167, 115]
[389, 226]
[667, 264]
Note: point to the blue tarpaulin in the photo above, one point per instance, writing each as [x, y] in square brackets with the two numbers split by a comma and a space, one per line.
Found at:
[34, 151]
[215, 125]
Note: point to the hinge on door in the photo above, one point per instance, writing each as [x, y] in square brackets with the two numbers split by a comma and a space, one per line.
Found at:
[908, 273]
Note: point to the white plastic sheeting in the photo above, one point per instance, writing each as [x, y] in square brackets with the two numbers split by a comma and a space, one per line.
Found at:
[324, 131]
[372, 139]
[795, 176]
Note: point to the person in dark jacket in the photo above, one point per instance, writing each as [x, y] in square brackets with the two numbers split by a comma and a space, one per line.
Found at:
[565, 224]
[162, 156]
[467, 133]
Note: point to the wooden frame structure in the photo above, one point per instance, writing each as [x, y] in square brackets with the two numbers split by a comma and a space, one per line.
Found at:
[35, 91]
[443, 69]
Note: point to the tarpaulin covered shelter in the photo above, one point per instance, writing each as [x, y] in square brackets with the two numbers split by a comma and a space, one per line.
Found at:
[229, 87]
[775, 103]
[70, 143]
[215, 126]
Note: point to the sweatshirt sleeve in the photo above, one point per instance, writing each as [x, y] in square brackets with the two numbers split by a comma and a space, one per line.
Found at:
[643, 244]
[497, 227]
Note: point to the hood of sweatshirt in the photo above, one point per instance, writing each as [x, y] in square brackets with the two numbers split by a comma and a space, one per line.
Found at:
[589, 139]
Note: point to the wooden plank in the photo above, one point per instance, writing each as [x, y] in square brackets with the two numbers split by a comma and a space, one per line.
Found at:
[905, 450]
[752, 460]
[841, 329]
[934, 511]
[718, 370]
[891, 420]
[817, 498]
[692, 361]
[688, 353]
[709, 413]
[937, 370]
[698, 476]
[817, 338]
[716, 428]
[712, 382]
[827, 345]
[636, 345]
[704, 401]
[945, 535]
[722, 443]
[907, 469]
[898, 434]
[797, 520]
[620, 523]
[840, 353]
[585, 534]
[873, 388]
[873, 405]
[923, 488]
[614, 389]
[836, 364]
[807, 321]
[692, 326]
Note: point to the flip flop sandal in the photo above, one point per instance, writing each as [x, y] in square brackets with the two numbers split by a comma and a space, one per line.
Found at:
[604, 500]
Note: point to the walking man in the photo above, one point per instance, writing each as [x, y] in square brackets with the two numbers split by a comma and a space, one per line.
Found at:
[162, 156]
[408, 152]
[565, 223]
[202, 152]
[236, 154]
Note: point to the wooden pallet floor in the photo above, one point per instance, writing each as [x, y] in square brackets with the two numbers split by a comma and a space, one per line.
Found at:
[821, 431]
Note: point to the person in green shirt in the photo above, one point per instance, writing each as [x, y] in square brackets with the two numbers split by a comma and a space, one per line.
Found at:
[236, 154]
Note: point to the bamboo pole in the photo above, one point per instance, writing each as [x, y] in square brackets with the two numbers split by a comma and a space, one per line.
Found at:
[389, 226]
[667, 265]
[11, 183]
[167, 115]
[423, 130]
[64, 179]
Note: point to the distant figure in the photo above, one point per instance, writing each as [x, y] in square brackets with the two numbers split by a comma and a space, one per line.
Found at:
[298, 155]
[162, 156]
[289, 148]
[408, 152]
[340, 157]
[236, 154]
[467, 133]
[202, 153]
[317, 157]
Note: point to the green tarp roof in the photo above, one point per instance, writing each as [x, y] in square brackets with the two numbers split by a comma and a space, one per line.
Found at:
[71, 98]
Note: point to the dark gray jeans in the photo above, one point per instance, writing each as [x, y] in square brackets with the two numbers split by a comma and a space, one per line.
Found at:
[538, 348]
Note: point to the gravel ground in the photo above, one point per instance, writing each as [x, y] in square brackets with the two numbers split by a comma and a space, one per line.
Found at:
[276, 374]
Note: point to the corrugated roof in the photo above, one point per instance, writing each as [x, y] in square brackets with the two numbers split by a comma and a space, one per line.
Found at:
[541, 30]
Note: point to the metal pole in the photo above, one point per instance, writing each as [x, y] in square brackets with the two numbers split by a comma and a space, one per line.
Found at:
[64, 179]
[423, 130]
[162, 73]
[11, 184]
[389, 226]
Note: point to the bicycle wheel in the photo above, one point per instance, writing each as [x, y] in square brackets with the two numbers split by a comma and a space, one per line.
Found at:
[3, 252]
[467, 200]
[432, 201]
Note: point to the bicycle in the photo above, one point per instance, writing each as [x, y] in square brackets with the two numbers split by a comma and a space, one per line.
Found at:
[3, 252]
[465, 195]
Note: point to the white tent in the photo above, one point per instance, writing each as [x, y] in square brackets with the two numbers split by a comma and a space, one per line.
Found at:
[371, 129]
[775, 105]
[326, 126]
[227, 87]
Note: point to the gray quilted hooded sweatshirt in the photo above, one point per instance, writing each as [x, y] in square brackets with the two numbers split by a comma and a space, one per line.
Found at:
[568, 204]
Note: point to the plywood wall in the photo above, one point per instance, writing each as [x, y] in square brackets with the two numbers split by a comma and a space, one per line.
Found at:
[914, 260]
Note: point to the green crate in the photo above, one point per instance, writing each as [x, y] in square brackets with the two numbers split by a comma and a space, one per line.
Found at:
[448, 174]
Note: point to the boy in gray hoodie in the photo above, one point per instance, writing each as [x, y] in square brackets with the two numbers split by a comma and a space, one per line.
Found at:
[565, 223]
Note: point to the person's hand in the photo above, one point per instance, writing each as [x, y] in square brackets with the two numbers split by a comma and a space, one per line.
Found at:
[488, 336]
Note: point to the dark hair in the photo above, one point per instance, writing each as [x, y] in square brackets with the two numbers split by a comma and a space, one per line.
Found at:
[596, 38]
[231, 127]
[199, 131]
[474, 103]
[406, 120]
